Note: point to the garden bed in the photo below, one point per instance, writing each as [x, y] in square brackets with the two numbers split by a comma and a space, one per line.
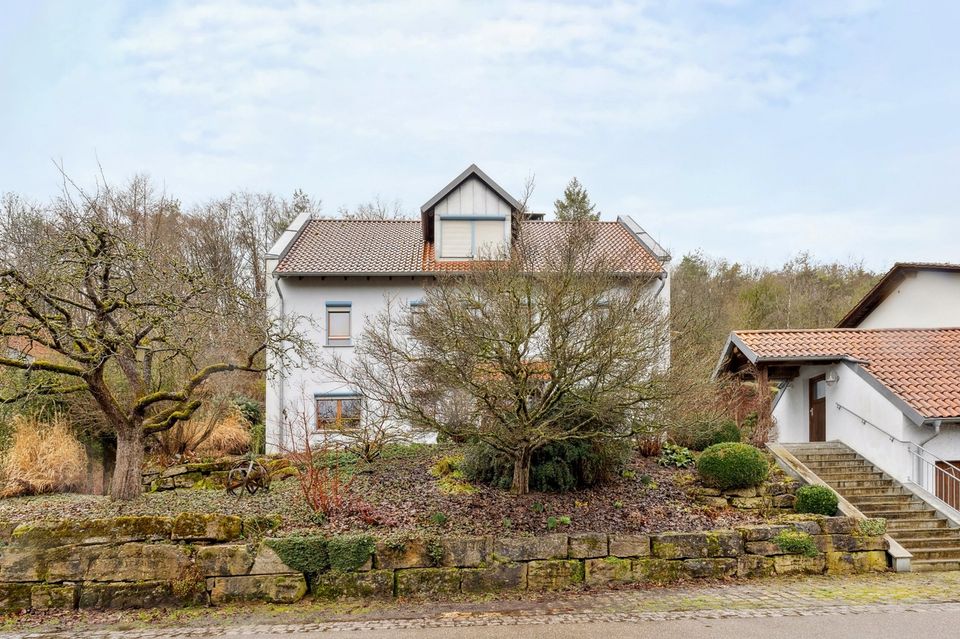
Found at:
[401, 495]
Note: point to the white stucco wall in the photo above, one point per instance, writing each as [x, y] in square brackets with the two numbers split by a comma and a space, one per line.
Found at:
[861, 401]
[307, 296]
[925, 299]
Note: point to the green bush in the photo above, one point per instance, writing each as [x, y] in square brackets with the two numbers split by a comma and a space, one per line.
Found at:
[556, 467]
[306, 554]
[347, 553]
[676, 456]
[796, 542]
[702, 433]
[732, 465]
[818, 500]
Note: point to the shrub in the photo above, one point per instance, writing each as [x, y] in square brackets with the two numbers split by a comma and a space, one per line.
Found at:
[818, 500]
[732, 465]
[258, 438]
[305, 554]
[556, 467]
[349, 552]
[702, 433]
[43, 458]
[676, 456]
[796, 542]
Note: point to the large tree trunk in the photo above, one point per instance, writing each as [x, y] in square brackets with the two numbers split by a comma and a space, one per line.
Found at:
[127, 478]
[521, 473]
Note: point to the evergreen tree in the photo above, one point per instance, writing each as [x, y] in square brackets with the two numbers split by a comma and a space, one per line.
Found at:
[576, 204]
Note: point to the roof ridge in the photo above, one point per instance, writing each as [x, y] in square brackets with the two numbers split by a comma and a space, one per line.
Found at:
[754, 331]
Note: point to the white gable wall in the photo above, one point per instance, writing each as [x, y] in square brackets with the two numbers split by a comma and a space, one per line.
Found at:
[471, 221]
[925, 299]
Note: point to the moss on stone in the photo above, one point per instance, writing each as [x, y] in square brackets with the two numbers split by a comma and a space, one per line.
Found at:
[350, 552]
[306, 554]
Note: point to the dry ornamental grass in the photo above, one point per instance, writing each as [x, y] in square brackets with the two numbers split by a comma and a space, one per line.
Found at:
[44, 457]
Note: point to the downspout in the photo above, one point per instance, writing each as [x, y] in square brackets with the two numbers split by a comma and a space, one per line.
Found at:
[936, 432]
[282, 384]
[663, 282]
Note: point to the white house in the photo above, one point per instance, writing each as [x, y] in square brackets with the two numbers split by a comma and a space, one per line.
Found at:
[885, 381]
[339, 272]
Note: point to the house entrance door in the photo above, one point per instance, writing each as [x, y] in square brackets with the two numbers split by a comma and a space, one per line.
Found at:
[818, 408]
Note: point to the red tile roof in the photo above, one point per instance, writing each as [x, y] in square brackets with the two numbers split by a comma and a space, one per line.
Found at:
[920, 366]
[397, 247]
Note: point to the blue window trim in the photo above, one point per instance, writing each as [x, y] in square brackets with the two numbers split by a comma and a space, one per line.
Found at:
[417, 303]
[340, 304]
[492, 218]
[337, 395]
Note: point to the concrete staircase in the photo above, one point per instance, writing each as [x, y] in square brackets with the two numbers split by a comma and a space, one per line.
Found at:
[914, 524]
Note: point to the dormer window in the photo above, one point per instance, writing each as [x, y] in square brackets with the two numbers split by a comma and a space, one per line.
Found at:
[473, 238]
[470, 218]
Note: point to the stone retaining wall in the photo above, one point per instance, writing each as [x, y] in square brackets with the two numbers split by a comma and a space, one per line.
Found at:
[215, 559]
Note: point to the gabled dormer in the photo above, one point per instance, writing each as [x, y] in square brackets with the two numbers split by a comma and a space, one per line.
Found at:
[470, 218]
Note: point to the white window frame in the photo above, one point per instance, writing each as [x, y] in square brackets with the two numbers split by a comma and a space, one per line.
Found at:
[339, 308]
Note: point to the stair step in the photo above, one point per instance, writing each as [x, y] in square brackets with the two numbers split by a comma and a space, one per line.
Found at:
[881, 498]
[845, 476]
[902, 505]
[900, 525]
[915, 545]
[891, 515]
[825, 457]
[943, 552]
[848, 465]
[905, 537]
[928, 565]
[841, 484]
[867, 491]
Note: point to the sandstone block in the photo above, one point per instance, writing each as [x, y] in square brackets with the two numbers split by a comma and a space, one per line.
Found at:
[554, 574]
[497, 578]
[657, 571]
[21, 564]
[625, 545]
[288, 588]
[146, 594]
[206, 527]
[51, 597]
[372, 584]
[587, 546]
[747, 503]
[754, 566]
[531, 548]
[838, 525]
[718, 543]
[91, 531]
[799, 565]
[14, 597]
[710, 568]
[412, 553]
[464, 552]
[428, 582]
[225, 561]
[600, 572]
[762, 532]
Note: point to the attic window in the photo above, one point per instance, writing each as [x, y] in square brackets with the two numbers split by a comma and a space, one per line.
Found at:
[472, 238]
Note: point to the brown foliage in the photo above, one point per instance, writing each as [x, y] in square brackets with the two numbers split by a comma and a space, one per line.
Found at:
[44, 457]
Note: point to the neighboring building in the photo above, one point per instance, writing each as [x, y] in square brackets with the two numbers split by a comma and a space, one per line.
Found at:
[340, 272]
[885, 382]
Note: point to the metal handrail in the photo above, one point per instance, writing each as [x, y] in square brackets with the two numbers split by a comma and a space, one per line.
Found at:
[866, 421]
[937, 476]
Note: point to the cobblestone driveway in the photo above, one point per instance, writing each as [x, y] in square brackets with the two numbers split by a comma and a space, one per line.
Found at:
[767, 598]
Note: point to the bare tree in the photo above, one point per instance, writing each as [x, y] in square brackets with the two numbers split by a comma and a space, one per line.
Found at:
[376, 209]
[545, 344]
[115, 306]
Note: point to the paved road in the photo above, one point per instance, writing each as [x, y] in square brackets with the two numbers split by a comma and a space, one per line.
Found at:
[934, 620]
[822, 607]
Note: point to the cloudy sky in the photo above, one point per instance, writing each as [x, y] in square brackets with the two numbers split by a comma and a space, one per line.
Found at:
[750, 130]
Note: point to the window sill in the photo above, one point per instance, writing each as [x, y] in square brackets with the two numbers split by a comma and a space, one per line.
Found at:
[346, 344]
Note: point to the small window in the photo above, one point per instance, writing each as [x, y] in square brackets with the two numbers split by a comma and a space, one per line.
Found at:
[338, 413]
[338, 325]
[820, 389]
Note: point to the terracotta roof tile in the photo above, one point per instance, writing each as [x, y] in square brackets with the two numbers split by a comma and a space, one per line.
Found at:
[921, 366]
[397, 247]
